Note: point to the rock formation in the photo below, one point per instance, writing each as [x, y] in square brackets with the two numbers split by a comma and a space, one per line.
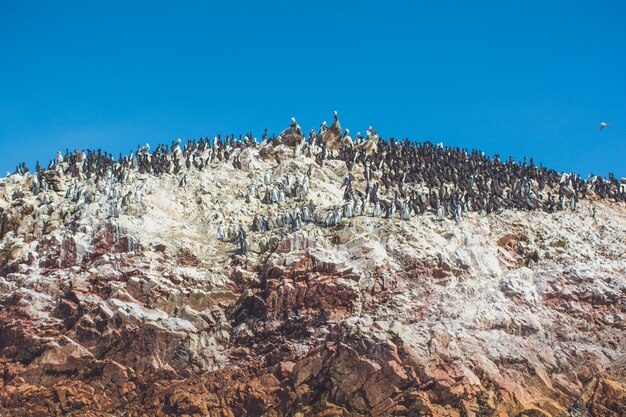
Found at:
[331, 137]
[141, 310]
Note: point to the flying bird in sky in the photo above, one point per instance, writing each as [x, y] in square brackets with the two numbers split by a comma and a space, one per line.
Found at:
[602, 126]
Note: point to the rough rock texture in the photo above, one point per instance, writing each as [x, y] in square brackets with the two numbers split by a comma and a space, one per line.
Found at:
[292, 136]
[147, 313]
[332, 136]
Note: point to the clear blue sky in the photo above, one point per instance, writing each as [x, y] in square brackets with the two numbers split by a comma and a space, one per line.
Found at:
[517, 78]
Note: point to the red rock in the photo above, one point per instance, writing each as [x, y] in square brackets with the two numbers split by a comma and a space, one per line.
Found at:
[145, 313]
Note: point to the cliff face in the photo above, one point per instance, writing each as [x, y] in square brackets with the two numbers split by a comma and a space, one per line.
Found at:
[139, 309]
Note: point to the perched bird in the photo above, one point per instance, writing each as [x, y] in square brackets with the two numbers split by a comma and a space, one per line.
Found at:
[176, 146]
[220, 232]
[347, 180]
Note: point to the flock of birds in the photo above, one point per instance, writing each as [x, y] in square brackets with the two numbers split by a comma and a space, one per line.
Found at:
[386, 178]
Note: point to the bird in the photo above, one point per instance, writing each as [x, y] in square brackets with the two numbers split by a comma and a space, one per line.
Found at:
[175, 146]
[602, 126]
[347, 180]
[145, 149]
[220, 232]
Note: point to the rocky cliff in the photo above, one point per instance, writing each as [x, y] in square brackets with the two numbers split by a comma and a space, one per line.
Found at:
[124, 301]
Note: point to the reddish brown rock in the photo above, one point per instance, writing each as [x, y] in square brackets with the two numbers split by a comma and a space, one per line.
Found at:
[141, 311]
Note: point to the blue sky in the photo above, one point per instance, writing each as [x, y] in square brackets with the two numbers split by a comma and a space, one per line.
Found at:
[514, 78]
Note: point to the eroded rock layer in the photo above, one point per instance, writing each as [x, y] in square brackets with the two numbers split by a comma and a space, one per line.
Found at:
[145, 312]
